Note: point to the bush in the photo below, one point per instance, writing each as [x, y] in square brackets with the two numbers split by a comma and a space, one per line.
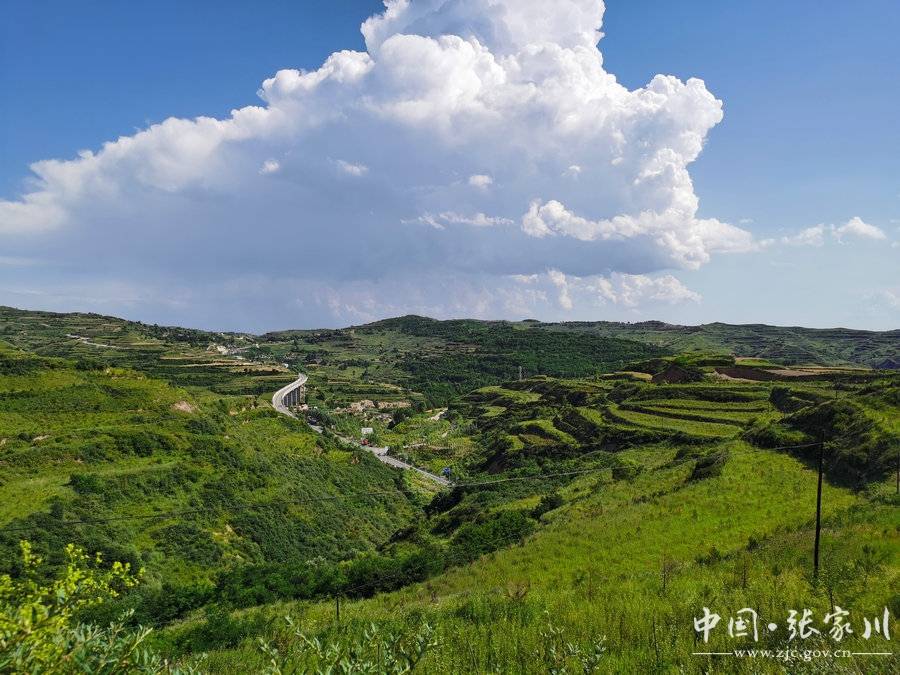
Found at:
[220, 630]
[267, 582]
[501, 529]
[86, 483]
[89, 364]
[626, 469]
[38, 632]
[548, 503]
[372, 650]
[709, 466]
[204, 426]
[190, 542]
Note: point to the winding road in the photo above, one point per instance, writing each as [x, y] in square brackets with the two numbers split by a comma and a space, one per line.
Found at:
[380, 453]
[278, 398]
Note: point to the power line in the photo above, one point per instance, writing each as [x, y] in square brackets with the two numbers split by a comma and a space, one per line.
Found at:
[818, 510]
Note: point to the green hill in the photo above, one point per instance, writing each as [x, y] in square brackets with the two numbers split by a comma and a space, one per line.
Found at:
[601, 501]
[785, 345]
[184, 484]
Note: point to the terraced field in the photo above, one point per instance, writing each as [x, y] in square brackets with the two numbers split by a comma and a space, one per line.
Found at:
[767, 344]
[704, 405]
[658, 422]
[709, 414]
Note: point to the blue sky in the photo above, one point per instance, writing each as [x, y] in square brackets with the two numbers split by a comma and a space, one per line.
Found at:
[809, 136]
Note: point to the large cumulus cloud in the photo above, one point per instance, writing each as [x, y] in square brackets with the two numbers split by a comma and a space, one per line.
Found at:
[474, 145]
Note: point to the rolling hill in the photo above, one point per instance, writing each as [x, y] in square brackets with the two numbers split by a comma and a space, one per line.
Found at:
[600, 501]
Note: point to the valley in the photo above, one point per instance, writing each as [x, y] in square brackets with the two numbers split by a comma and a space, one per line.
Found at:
[604, 486]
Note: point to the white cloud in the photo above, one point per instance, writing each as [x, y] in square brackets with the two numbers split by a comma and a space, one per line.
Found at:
[10, 261]
[626, 290]
[633, 290]
[815, 236]
[687, 244]
[446, 88]
[352, 169]
[269, 166]
[890, 297]
[811, 236]
[559, 280]
[441, 220]
[856, 227]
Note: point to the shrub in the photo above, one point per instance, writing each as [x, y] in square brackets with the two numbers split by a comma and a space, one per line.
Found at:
[372, 650]
[501, 529]
[205, 426]
[548, 503]
[190, 542]
[89, 364]
[626, 469]
[709, 466]
[220, 630]
[38, 632]
[86, 483]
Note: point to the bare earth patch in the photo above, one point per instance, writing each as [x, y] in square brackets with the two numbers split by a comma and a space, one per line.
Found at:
[184, 406]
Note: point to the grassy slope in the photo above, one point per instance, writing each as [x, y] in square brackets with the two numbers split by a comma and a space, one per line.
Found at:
[636, 559]
[597, 568]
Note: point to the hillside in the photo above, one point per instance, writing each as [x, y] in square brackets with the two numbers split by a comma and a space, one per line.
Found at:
[615, 507]
[600, 501]
[183, 484]
[785, 345]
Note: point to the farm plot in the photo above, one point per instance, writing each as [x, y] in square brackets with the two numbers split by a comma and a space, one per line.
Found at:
[656, 422]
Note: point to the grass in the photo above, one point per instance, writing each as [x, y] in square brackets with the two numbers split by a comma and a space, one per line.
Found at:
[631, 561]
[692, 414]
[499, 394]
[659, 423]
[544, 429]
[720, 406]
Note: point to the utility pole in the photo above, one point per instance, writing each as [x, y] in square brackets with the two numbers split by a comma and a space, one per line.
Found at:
[520, 373]
[818, 510]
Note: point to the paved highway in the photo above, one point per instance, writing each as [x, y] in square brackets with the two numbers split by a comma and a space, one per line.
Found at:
[278, 398]
[380, 453]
